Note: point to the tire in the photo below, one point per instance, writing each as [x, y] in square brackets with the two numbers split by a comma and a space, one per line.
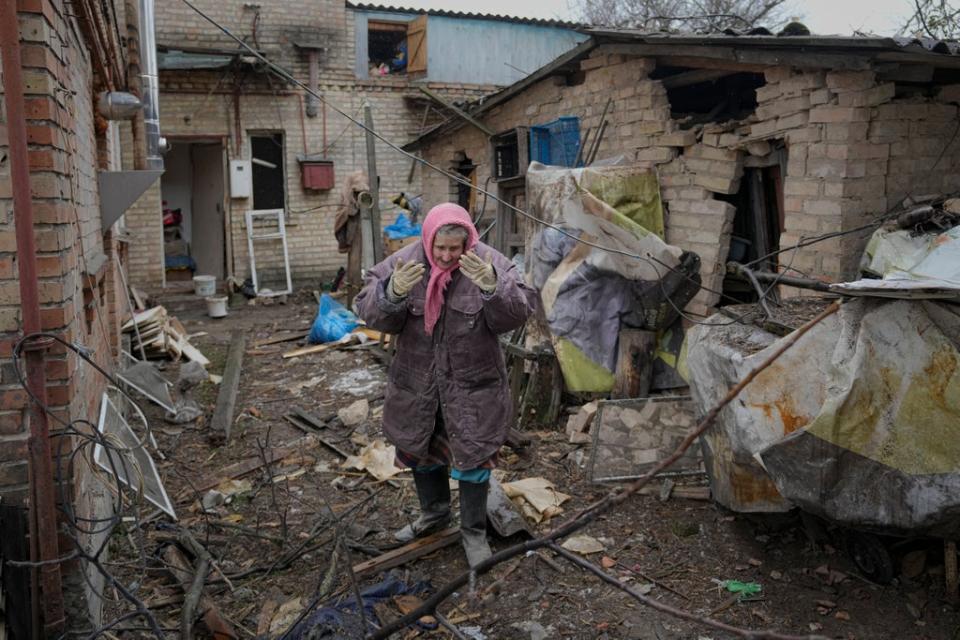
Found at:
[870, 556]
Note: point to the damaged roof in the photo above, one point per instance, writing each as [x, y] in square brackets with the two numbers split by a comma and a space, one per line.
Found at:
[463, 15]
[851, 53]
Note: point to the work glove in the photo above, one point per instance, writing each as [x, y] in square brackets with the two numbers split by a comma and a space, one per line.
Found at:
[479, 271]
[405, 275]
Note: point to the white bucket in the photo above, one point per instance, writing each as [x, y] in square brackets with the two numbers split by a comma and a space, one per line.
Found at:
[217, 306]
[204, 286]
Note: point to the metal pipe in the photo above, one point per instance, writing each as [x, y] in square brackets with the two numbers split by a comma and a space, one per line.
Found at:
[151, 85]
[737, 269]
[42, 495]
[132, 11]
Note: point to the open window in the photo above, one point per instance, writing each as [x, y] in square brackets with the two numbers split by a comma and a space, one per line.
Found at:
[397, 47]
[466, 194]
[269, 189]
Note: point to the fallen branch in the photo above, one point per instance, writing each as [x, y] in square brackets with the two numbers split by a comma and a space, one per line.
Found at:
[192, 599]
[180, 567]
[587, 515]
[665, 608]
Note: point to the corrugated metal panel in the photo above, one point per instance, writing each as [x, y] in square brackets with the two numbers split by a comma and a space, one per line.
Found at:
[465, 15]
[498, 52]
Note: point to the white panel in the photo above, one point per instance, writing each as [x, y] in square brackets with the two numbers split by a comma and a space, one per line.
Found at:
[241, 179]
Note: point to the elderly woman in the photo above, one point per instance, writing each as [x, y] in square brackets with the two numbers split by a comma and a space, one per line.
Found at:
[447, 401]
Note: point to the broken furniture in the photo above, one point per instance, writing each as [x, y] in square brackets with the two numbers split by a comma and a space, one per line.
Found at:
[156, 334]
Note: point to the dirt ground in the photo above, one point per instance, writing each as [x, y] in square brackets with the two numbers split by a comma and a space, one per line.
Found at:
[275, 539]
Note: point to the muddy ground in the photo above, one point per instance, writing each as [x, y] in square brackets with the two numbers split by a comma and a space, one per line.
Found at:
[275, 540]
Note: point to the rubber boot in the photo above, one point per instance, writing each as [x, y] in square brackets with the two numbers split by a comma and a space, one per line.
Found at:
[473, 521]
[433, 491]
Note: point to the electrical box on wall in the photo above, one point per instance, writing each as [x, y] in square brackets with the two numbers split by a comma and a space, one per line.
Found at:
[241, 179]
[316, 172]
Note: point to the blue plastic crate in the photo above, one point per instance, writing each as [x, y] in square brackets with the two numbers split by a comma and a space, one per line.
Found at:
[557, 142]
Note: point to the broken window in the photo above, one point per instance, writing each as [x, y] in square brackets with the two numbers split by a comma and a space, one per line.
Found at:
[757, 223]
[397, 47]
[709, 95]
[268, 172]
[466, 194]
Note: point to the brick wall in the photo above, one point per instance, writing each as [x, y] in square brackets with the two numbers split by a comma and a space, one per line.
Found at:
[202, 104]
[854, 150]
[76, 265]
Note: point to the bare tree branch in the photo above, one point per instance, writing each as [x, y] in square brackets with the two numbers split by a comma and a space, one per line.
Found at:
[682, 15]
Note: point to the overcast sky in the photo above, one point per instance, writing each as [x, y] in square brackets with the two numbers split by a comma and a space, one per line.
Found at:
[840, 17]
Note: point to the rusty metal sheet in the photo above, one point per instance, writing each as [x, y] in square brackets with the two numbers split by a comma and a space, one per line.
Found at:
[855, 423]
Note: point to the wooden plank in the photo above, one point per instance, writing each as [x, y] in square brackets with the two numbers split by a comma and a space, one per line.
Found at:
[319, 348]
[457, 110]
[373, 334]
[417, 45]
[312, 419]
[307, 427]
[696, 76]
[139, 299]
[240, 469]
[635, 349]
[222, 421]
[408, 553]
[143, 318]
[281, 337]
[950, 571]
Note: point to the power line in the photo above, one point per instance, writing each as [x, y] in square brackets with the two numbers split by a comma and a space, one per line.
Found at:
[286, 75]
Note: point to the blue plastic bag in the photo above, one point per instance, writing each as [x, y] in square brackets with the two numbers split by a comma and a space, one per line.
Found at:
[332, 323]
[402, 228]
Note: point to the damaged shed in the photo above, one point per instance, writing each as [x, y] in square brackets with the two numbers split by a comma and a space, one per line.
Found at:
[757, 141]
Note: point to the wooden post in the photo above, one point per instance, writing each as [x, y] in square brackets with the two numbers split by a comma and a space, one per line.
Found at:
[222, 420]
[950, 564]
[634, 373]
[374, 187]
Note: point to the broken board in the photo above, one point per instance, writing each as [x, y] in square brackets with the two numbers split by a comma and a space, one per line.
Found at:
[408, 552]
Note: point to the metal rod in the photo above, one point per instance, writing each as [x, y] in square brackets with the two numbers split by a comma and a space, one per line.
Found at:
[736, 269]
[42, 496]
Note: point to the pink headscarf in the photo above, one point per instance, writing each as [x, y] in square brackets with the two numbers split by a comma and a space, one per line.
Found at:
[446, 213]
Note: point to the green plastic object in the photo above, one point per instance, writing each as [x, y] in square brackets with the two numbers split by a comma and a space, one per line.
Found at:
[743, 588]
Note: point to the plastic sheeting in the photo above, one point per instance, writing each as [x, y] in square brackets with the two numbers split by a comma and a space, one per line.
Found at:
[857, 422]
[583, 288]
[909, 265]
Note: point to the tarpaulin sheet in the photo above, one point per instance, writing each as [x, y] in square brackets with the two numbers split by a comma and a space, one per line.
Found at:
[858, 422]
[583, 288]
[909, 266]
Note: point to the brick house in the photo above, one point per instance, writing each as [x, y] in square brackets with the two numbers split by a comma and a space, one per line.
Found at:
[62, 253]
[225, 114]
[759, 141]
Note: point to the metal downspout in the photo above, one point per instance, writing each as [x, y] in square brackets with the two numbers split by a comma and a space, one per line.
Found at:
[131, 9]
[42, 495]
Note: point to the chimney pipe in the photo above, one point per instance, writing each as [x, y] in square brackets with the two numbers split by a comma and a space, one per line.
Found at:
[156, 144]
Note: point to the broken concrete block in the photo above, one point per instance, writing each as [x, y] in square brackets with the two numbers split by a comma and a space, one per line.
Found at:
[578, 426]
[354, 414]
